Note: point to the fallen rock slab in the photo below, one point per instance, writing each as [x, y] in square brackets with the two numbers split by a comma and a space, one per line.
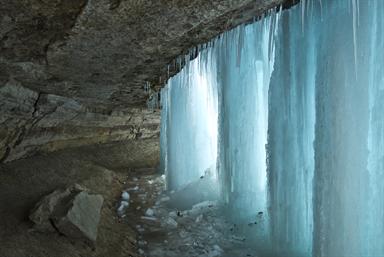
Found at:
[73, 212]
[42, 212]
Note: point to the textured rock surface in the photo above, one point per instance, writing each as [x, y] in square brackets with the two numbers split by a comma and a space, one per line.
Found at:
[32, 122]
[72, 212]
[71, 70]
[103, 51]
[78, 217]
[24, 182]
[42, 212]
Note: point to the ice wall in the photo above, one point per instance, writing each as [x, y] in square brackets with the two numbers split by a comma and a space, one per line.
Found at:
[189, 123]
[328, 75]
[291, 133]
[309, 84]
[349, 150]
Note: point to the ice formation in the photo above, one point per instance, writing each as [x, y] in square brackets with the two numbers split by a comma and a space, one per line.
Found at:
[245, 61]
[291, 135]
[189, 123]
[294, 104]
[349, 147]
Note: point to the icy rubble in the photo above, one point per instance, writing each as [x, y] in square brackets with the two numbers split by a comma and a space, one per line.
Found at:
[203, 188]
[200, 230]
[123, 204]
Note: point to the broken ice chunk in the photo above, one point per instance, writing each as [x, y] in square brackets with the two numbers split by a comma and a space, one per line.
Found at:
[122, 206]
[199, 218]
[217, 251]
[173, 214]
[125, 196]
[133, 188]
[165, 199]
[170, 222]
[149, 212]
[148, 218]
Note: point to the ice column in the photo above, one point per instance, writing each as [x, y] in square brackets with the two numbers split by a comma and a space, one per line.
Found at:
[349, 147]
[291, 134]
[374, 208]
[189, 122]
[244, 69]
[163, 129]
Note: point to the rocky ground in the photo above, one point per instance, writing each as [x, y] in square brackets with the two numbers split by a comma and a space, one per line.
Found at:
[150, 226]
[104, 169]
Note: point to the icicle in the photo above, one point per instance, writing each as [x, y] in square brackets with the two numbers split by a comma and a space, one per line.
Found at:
[303, 10]
[147, 86]
[168, 71]
[311, 2]
[240, 44]
[354, 24]
[152, 101]
[358, 12]
[272, 25]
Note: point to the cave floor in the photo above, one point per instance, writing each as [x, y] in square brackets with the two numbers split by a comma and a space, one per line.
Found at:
[160, 232]
[104, 169]
[165, 231]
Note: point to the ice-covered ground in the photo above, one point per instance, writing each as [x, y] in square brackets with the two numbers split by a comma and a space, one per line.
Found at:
[167, 231]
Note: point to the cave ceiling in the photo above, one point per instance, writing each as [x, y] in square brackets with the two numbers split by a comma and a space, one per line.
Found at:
[101, 52]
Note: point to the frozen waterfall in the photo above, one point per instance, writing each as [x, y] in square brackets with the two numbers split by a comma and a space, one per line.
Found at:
[349, 147]
[288, 114]
[244, 69]
[189, 123]
[291, 134]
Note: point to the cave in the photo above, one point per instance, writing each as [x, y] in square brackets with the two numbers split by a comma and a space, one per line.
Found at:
[192, 128]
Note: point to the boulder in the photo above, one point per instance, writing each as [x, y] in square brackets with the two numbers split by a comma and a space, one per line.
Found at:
[42, 212]
[79, 217]
[73, 212]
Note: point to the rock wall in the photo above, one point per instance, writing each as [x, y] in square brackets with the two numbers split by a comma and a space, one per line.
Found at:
[32, 122]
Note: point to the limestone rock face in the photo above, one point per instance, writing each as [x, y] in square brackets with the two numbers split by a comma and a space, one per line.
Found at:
[72, 212]
[32, 122]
